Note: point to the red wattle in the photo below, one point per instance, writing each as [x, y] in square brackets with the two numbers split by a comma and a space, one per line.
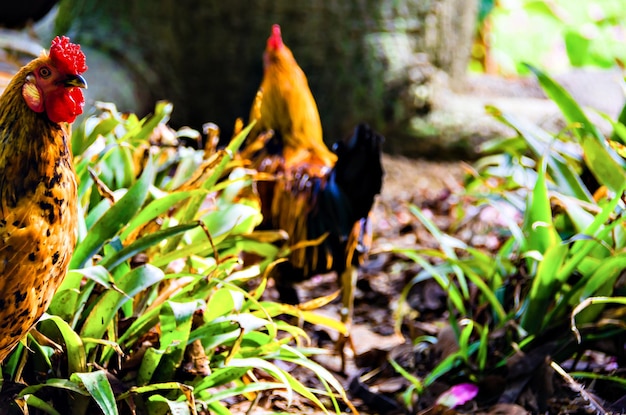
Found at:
[64, 105]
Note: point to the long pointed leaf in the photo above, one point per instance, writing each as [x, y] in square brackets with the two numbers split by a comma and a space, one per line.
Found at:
[540, 142]
[114, 219]
[538, 221]
[543, 289]
[144, 243]
[568, 106]
[131, 283]
[606, 165]
[100, 390]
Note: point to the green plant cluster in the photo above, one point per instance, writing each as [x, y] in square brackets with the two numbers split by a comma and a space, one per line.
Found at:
[155, 315]
[556, 279]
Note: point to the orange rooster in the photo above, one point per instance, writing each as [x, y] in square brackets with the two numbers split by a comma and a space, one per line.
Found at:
[38, 200]
[286, 105]
[316, 194]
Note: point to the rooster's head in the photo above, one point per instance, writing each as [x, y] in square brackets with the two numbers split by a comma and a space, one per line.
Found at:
[54, 81]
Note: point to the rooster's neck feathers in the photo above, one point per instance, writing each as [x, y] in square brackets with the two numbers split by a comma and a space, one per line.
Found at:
[30, 144]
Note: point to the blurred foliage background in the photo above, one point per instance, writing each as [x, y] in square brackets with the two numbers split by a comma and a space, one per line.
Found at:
[555, 34]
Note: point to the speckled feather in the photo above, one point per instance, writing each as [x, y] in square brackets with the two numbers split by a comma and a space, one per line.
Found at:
[38, 211]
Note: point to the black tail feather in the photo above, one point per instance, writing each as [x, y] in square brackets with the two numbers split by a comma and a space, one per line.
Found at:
[337, 203]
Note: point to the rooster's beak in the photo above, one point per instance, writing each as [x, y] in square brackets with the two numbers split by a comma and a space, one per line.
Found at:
[76, 80]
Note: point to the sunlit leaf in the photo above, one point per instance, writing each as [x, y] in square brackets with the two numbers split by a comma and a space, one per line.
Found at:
[538, 225]
[130, 284]
[114, 219]
[608, 167]
[175, 322]
[76, 357]
[99, 388]
[544, 288]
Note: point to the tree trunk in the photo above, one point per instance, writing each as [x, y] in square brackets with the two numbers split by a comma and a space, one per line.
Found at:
[366, 60]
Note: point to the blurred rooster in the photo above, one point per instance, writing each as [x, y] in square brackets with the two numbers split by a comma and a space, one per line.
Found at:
[332, 208]
[38, 201]
[316, 195]
[285, 105]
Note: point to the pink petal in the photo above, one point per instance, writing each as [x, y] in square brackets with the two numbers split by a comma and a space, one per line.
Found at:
[458, 395]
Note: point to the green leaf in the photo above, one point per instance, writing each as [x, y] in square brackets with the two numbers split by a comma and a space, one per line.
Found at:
[158, 404]
[102, 127]
[220, 304]
[446, 365]
[591, 301]
[543, 289]
[64, 304]
[34, 402]
[430, 271]
[71, 296]
[114, 219]
[606, 165]
[142, 325]
[543, 145]
[97, 274]
[288, 381]
[162, 112]
[76, 357]
[448, 245]
[175, 319]
[99, 388]
[232, 148]
[154, 387]
[96, 212]
[149, 364]
[207, 332]
[601, 283]
[221, 376]
[479, 280]
[107, 306]
[295, 356]
[621, 121]
[144, 243]
[577, 47]
[598, 231]
[189, 212]
[63, 384]
[210, 397]
[158, 207]
[568, 106]
[538, 226]
[233, 219]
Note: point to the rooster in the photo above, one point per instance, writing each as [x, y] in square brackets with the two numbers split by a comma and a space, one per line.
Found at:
[332, 208]
[286, 105]
[317, 195]
[38, 199]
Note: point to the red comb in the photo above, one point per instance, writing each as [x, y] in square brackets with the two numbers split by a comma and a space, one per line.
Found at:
[275, 41]
[67, 56]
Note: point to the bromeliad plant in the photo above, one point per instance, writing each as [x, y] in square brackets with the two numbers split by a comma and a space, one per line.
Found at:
[559, 267]
[155, 315]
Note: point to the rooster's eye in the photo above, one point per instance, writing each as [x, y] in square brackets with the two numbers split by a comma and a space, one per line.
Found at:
[45, 72]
